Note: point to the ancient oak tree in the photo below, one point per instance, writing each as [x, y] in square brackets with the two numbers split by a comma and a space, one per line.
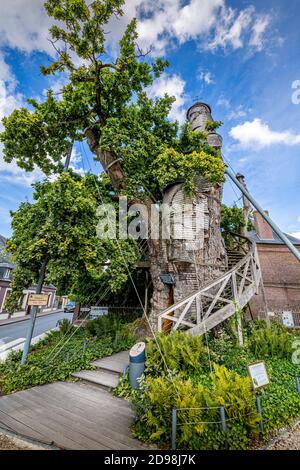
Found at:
[105, 103]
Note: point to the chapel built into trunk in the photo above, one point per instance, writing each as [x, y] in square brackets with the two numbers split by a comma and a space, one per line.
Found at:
[180, 266]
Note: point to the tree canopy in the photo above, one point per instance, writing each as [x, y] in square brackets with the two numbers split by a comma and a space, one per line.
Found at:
[60, 228]
[104, 101]
[233, 219]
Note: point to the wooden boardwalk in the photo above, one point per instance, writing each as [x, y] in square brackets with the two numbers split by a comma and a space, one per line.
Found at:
[71, 416]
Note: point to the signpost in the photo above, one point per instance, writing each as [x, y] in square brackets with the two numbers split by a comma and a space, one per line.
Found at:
[260, 379]
[38, 300]
[258, 374]
[288, 319]
[98, 312]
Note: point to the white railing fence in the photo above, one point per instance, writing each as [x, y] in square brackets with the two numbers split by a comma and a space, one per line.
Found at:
[218, 300]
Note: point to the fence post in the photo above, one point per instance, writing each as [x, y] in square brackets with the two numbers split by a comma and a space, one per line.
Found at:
[223, 418]
[259, 409]
[174, 428]
[223, 423]
[84, 345]
[68, 357]
[298, 384]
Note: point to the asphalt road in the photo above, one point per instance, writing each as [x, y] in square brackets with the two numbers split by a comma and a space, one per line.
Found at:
[14, 331]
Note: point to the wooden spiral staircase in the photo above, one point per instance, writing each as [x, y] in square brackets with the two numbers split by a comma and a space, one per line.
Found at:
[219, 299]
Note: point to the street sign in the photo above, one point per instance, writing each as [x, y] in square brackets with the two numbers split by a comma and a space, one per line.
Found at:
[38, 300]
[259, 375]
[98, 311]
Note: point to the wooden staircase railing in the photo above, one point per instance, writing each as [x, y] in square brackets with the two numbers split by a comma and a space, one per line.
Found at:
[219, 299]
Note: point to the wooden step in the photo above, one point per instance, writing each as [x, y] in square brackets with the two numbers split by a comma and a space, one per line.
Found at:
[100, 377]
[115, 363]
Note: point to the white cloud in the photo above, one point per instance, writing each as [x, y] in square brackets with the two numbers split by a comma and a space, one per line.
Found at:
[9, 101]
[258, 30]
[76, 162]
[9, 98]
[211, 23]
[196, 18]
[231, 28]
[24, 24]
[236, 113]
[172, 85]
[206, 77]
[11, 173]
[257, 134]
[223, 102]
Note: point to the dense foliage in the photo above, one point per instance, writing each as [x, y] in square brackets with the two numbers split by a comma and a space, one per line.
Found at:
[60, 227]
[104, 102]
[272, 342]
[185, 380]
[62, 353]
[160, 395]
[233, 219]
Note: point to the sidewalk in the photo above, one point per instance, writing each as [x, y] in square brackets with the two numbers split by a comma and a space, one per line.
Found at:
[20, 316]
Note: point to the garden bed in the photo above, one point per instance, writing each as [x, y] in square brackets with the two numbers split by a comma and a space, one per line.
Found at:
[65, 351]
[199, 376]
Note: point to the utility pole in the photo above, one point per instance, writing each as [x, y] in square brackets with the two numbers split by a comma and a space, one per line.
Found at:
[246, 205]
[40, 284]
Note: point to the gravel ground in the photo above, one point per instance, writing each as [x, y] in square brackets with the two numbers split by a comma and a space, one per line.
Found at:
[287, 441]
[8, 442]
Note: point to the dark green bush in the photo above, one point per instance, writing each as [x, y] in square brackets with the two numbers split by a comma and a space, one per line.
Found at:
[186, 358]
[270, 341]
[109, 325]
[58, 355]
[65, 326]
[178, 352]
[197, 428]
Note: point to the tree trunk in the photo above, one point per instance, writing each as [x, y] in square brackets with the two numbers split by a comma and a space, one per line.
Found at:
[189, 262]
[200, 257]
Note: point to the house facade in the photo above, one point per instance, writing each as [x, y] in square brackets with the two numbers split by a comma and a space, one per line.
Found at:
[280, 273]
[6, 274]
[5, 283]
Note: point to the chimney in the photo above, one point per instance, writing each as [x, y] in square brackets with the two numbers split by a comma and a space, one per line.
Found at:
[262, 228]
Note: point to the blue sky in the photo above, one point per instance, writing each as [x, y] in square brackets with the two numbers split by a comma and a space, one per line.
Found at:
[241, 57]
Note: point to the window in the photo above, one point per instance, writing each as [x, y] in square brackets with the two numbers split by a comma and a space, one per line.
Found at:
[4, 273]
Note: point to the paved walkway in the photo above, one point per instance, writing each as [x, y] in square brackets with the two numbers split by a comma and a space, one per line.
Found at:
[70, 416]
[289, 440]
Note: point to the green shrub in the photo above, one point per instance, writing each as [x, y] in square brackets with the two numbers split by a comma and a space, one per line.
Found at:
[57, 356]
[65, 326]
[178, 352]
[273, 341]
[154, 404]
[111, 325]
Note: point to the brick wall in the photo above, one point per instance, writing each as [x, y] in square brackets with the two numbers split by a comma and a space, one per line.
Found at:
[281, 277]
